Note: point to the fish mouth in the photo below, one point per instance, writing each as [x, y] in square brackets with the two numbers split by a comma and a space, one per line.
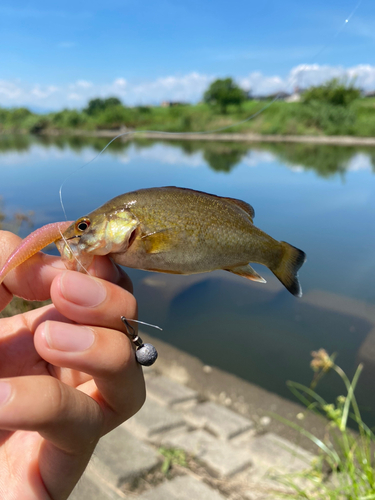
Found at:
[65, 244]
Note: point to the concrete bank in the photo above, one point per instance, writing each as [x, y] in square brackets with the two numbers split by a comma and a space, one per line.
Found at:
[230, 137]
[232, 447]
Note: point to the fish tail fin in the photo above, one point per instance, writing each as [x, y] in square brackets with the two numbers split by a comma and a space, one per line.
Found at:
[286, 271]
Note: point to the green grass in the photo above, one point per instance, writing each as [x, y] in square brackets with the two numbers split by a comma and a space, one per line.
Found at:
[311, 118]
[172, 456]
[344, 469]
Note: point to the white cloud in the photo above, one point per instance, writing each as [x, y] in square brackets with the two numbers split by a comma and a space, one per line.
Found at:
[360, 161]
[120, 82]
[74, 97]
[253, 158]
[41, 153]
[364, 75]
[260, 84]
[81, 84]
[306, 75]
[84, 84]
[164, 154]
[9, 91]
[41, 93]
[185, 88]
[188, 88]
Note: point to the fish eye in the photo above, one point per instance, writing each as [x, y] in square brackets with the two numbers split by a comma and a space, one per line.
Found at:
[82, 225]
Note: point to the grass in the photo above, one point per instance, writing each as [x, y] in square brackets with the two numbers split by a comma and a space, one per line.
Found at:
[344, 469]
[309, 118]
[172, 456]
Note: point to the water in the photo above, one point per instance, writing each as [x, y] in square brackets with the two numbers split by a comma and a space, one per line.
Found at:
[318, 198]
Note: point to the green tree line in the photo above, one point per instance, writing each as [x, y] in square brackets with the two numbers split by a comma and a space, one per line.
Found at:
[334, 108]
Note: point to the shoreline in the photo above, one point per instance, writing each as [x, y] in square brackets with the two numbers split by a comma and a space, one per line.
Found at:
[245, 398]
[336, 140]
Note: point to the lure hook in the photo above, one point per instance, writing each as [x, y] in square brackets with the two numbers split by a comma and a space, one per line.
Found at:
[145, 354]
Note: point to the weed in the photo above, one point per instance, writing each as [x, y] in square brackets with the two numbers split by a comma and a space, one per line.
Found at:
[172, 456]
[344, 469]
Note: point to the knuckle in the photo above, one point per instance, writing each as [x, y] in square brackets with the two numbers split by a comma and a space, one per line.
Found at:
[57, 398]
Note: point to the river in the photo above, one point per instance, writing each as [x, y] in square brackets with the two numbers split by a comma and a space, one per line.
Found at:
[318, 198]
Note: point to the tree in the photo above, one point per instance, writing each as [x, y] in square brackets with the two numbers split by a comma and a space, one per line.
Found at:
[336, 92]
[98, 105]
[224, 92]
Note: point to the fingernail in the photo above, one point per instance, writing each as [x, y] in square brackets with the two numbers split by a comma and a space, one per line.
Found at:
[5, 392]
[68, 338]
[81, 289]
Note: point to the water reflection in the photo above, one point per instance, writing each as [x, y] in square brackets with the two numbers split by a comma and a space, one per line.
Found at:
[222, 157]
[261, 333]
[324, 160]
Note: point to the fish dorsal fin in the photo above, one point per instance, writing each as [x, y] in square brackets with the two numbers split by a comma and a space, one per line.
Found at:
[239, 203]
[242, 204]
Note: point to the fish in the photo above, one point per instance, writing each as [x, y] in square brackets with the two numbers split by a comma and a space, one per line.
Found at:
[179, 231]
[171, 230]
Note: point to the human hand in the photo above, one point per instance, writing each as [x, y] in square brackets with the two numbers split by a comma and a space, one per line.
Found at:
[68, 374]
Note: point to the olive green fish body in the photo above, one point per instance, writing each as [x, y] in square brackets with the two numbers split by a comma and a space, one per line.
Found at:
[180, 231]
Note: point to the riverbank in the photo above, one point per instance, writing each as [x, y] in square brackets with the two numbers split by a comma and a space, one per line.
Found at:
[274, 118]
[202, 433]
[338, 140]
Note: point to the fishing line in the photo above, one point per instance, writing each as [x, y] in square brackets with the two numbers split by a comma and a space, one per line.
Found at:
[342, 27]
[144, 323]
[338, 32]
[213, 131]
[70, 248]
[205, 132]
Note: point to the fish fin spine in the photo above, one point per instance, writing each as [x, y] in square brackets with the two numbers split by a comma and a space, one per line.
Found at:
[246, 272]
[287, 269]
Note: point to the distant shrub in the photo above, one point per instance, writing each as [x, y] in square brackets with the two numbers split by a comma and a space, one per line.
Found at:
[68, 118]
[98, 105]
[17, 115]
[223, 93]
[114, 117]
[335, 92]
[37, 124]
[14, 118]
[144, 109]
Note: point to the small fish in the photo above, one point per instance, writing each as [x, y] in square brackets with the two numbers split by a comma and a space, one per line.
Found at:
[174, 230]
[180, 231]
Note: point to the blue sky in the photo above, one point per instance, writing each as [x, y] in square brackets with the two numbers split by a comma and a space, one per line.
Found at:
[55, 55]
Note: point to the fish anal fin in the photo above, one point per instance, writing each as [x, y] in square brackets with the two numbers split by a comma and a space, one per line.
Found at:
[246, 272]
[158, 241]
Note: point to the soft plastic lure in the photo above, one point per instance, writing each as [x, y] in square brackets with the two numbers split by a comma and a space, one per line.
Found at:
[34, 242]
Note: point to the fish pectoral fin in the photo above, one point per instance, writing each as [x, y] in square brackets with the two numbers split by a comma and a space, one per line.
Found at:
[159, 241]
[247, 272]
